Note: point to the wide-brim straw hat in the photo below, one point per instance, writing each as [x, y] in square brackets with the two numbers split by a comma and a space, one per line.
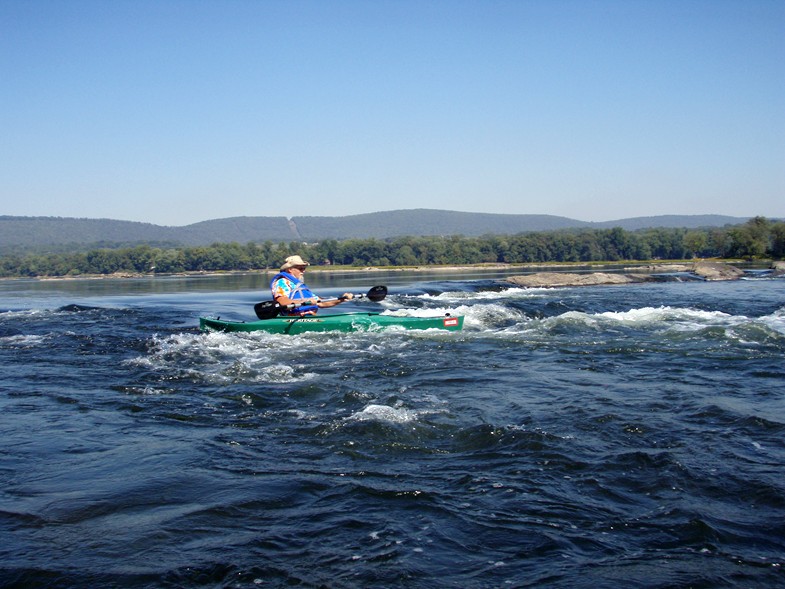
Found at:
[293, 262]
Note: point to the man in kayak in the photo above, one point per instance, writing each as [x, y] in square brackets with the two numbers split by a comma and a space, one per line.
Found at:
[289, 289]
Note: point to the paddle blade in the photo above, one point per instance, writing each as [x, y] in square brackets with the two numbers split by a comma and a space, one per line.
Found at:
[267, 309]
[377, 293]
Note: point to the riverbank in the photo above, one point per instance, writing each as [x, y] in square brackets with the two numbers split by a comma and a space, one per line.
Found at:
[551, 274]
[502, 267]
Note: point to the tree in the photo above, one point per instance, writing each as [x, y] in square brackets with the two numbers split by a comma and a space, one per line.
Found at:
[103, 261]
[778, 240]
[696, 242]
[751, 240]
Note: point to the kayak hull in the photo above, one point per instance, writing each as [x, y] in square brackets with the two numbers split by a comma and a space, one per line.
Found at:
[342, 322]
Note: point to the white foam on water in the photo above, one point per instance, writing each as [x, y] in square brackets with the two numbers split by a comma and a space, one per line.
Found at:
[775, 321]
[507, 294]
[22, 341]
[568, 318]
[258, 356]
[224, 358]
[282, 373]
[650, 315]
[736, 329]
[739, 328]
[679, 319]
[489, 311]
[480, 316]
[24, 314]
[386, 413]
[492, 315]
[150, 390]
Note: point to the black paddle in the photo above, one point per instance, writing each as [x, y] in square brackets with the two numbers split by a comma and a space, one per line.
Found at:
[271, 309]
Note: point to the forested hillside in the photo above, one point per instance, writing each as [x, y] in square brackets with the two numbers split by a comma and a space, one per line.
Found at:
[427, 222]
[757, 238]
[62, 233]
[26, 234]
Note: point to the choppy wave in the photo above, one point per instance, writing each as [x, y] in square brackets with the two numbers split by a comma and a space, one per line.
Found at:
[497, 294]
[18, 340]
[384, 413]
[260, 357]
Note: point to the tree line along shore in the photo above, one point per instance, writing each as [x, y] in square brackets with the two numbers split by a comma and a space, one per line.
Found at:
[757, 239]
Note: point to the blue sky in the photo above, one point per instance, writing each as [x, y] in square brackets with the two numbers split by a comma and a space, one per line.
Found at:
[173, 112]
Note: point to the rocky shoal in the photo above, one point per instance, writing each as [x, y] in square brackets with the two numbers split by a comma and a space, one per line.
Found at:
[701, 270]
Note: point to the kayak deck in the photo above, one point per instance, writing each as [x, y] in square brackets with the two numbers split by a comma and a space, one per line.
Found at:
[345, 322]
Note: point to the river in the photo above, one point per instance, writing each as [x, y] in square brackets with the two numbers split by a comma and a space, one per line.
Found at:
[613, 436]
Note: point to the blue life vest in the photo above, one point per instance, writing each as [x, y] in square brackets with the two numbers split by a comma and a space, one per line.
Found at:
[299, 292]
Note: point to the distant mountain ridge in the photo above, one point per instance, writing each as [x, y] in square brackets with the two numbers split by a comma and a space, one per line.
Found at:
[38, 232]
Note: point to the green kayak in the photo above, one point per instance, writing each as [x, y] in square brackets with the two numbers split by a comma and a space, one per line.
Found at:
[338, 322]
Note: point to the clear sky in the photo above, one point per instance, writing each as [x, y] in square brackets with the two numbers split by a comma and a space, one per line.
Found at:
[178, 111]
